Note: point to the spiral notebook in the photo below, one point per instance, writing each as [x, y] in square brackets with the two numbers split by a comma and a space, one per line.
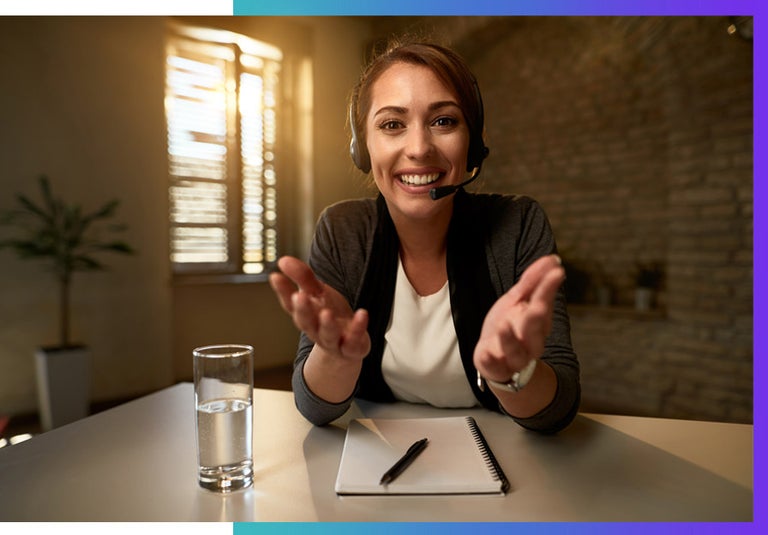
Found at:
[457, 459]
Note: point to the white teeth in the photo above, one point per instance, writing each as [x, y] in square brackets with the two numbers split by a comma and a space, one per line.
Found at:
[419, 180]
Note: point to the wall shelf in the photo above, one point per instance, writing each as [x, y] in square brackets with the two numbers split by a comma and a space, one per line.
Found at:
[616, 311]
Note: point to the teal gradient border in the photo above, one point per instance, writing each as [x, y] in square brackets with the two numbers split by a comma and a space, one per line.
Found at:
[494, 7]
[756, 8]
[486, 528]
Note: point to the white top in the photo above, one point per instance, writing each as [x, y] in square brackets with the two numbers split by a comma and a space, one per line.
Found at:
[421, 361]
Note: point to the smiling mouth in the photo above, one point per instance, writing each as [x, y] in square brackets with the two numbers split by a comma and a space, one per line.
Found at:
[419, 180]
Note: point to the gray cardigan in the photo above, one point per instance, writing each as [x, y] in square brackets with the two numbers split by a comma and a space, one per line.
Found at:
[353, 251]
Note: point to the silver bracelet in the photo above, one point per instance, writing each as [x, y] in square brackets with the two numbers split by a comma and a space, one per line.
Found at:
[515, 384]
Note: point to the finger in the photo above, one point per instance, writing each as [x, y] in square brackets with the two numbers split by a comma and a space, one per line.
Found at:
[535, 323]
[513, 346]
[548, 285]
[533, 328]
[516, 349]
[305, 314]
[533, 275]
[538, 313]
[301, 274]
[283, 288]
[356, 342]
[328, 330]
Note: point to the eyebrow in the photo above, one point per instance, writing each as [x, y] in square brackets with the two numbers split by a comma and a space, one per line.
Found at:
[432, 107]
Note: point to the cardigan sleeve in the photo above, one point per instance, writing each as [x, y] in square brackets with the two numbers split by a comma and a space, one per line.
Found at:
[337, 257]
[509, 261]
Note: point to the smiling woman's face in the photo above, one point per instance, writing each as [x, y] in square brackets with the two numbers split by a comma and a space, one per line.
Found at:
[417, 139]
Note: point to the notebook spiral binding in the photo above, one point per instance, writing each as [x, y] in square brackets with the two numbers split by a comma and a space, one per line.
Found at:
[488, 456]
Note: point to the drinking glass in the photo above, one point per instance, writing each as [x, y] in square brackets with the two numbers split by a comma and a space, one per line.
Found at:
[224, 424]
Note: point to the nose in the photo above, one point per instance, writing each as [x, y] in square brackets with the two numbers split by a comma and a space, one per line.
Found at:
[419, 143]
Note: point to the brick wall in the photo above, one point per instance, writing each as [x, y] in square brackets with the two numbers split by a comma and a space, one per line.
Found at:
[635, 134]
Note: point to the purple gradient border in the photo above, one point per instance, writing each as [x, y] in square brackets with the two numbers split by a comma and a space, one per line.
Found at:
[756, 8]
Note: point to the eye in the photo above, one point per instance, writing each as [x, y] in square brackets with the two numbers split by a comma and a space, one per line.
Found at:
[445, 121]
[389, 124]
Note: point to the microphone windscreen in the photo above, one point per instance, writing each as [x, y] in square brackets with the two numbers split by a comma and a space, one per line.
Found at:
[442, 191]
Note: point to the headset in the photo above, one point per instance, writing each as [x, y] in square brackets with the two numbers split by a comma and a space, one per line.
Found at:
[476, 154]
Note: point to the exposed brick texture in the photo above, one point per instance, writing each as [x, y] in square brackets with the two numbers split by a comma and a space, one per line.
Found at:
[635, 135]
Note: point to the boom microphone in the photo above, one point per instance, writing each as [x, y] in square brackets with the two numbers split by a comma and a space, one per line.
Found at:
[442, 191]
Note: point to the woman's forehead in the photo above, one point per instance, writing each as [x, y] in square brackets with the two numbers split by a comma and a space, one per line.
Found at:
[402, 81]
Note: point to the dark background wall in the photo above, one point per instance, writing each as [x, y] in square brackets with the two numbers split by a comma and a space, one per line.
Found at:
[635, 134]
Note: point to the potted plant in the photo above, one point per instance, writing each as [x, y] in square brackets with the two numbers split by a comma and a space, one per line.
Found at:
[67, 240]
[647, 282]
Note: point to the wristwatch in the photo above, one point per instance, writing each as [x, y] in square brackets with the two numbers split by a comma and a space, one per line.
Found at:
[515, 384]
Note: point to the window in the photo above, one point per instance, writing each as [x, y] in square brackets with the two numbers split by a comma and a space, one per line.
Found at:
[222, 116]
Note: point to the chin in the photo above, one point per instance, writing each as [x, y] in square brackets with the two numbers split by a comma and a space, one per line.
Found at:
[418, 207]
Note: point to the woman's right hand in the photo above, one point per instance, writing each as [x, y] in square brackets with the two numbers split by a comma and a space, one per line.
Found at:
[320, 311]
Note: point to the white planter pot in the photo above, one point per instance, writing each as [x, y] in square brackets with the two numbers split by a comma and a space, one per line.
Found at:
[63, 385]
[643, 299]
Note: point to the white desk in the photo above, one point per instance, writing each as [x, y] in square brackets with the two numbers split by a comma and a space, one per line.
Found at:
[137, 462]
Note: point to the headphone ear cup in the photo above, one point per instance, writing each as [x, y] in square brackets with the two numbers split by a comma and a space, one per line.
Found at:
[360, 157]
[477, 149]
[477, 153]
[358, 153]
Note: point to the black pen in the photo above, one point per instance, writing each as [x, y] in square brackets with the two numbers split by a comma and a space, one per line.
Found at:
[405, 461]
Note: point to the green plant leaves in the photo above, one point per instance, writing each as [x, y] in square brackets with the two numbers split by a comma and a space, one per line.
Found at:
[64, 235]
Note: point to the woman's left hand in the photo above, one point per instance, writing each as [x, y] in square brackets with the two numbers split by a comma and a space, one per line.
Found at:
[516, 326]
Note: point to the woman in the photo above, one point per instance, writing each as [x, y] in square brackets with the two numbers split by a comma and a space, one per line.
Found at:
[429, 294]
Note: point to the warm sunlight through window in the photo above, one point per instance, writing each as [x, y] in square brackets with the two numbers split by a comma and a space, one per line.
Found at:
[221, 109]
